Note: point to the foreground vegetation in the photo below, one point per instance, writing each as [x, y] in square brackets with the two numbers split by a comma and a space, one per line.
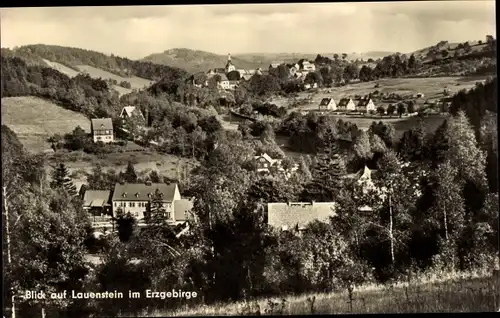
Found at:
[464, 293]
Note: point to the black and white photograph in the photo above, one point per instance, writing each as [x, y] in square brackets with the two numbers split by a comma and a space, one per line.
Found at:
[249, 159]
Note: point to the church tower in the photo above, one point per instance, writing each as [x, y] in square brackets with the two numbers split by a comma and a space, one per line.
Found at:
[229, 65]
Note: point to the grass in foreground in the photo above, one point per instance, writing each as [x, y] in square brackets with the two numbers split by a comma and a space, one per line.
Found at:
[461, 294]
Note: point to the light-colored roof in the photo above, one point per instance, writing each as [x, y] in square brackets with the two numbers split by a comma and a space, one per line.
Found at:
[96, 198]
[223, 78]
[129, 110]
[143, 191]
[298, 214]
[181, 209]
[102, 123]
[246, 77]
[267, 157]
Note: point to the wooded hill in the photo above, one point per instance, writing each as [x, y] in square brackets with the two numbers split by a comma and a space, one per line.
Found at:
[72, 57]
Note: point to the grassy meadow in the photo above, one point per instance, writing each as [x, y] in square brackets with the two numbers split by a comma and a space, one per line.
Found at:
[62, 68]
[135, 82]
[34, 119]
[446, 293]
[80, 164]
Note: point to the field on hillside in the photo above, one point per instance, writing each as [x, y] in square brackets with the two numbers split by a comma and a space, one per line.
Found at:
[79, 164]
[471, 294]
[431, 87]
[34, 119]
[62, 68]
[135, 82]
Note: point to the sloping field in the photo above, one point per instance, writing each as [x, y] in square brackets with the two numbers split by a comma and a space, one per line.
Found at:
[431, 87]
[62, 68]
[121, 90]
[34, 119]
[135, 82]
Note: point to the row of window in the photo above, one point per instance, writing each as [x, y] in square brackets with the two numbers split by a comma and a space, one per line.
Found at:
[103, 132]
[105, 137]
[167, 215]
[137, 204]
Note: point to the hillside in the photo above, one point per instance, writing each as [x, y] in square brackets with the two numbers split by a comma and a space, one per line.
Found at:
[201, 61]
[34, 119]
[198, 61]
[73, 57]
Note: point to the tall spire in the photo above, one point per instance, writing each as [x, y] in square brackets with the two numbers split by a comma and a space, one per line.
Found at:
[228, 57]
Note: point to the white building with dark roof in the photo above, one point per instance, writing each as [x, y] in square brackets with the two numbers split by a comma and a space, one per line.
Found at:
[134, 198]
[102, 130]
[327, 104]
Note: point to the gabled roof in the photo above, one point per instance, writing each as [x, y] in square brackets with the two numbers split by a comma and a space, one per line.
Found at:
[96, 198]
[246, 77]
[143, 191]
[129, 110]
[344, 101]
[220, 70]
[364, 102]
[102, 123]
[267, 157]
[223, 77]
[182, 208]
[275, 64]
[325, 101]
[298, 213]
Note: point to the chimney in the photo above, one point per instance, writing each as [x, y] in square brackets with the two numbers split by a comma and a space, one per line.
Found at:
[148, 182]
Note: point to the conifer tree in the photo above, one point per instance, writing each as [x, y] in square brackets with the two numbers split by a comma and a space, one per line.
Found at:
[130, 175]
[61, 180]
[327, 173]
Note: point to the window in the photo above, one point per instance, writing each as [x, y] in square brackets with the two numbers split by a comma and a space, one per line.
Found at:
[131, 204]
[167, 215]
[116, 204]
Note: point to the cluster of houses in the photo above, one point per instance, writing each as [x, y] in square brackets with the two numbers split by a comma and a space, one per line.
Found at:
[136, 198]
[297, 71]
[102, 128]
[362, 105]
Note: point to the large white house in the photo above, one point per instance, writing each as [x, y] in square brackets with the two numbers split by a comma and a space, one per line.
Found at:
[102, 130]
[134, 198]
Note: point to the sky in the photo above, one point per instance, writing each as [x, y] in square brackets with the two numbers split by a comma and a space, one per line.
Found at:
[138, 31]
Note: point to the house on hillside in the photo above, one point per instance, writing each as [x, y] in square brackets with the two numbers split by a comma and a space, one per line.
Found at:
[97, 203]
[308, 66]
[346, 104]
[135, 198]
[224, 82]
[102, 130]
[232, 84]
[365, 105]
[275, 64]
[327, 104]
[131, 112]
[265, 164]
[295, 216]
